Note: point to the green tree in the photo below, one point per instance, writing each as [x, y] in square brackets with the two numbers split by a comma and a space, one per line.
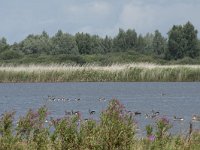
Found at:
[64, 43]
[131, 39]
[120, 41]
[16, 47]
[183, 41]
[190, 36]
[107, 44]
[176, 42]
[148, 42]
[45, 43]
[96, 44]
[198, 45]
[159, 44]
[84, 43]
[140, 43]
[3, 45]
[10, 54]
[36, 44]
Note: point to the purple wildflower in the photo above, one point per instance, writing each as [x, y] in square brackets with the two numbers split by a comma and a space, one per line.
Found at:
[151, 138]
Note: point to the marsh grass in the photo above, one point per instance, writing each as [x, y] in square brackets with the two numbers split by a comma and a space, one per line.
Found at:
[95, 73]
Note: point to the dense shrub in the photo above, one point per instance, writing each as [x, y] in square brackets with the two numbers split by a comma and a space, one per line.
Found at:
[10, 54]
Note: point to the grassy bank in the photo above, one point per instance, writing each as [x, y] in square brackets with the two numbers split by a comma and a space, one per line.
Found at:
[114, 130]
[113, 73]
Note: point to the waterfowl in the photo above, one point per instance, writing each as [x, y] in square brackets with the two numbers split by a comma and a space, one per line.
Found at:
[163, 94]
[67, 99]
[137, 113]
[150, 115]
[155, 112]
[91, 112]
[75, 112]
[77, 99]
[51, 98]
[196, 118]
[146, 116]
[129, 111]
[178, 118]
[68, 112]
[62, 99]
[102, 99]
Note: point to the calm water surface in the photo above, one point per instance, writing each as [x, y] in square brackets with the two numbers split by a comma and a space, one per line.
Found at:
[180, 99]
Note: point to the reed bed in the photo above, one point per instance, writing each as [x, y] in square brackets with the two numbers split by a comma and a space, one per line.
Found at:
[94, 73]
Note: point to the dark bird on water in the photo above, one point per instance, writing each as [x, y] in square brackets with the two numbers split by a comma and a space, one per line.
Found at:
[137, 113]
[91, 112]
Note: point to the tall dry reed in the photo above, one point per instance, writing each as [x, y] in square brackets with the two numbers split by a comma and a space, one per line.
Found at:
[93, 73]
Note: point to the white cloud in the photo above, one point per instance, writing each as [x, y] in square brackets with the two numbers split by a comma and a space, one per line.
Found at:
[94, 16]
[91, 9]
[135, 16]
[101, 8]
[147, 17]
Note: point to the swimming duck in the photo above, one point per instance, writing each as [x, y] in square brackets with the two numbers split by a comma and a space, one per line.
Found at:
[91, 112]
[75, 112]
[155, 112]
[68, 113]
[102, 99]
[150, 116]
[195, 118]
[178, 118]
[77, 99]
[137, 113]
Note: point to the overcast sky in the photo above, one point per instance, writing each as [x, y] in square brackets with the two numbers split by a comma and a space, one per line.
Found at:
[22, 17]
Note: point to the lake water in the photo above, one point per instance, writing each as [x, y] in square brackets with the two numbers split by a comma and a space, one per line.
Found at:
[180, 99]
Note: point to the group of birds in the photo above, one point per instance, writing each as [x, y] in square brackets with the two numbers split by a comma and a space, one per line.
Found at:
[72, 112]
[151, 115]
[194, 118]
[154, 114]
[57, 99]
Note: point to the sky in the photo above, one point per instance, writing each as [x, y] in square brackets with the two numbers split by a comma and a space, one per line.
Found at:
[19, 18]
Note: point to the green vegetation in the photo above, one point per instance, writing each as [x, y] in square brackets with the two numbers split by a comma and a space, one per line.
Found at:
[115, 130]
[181, 46]
[127, 47]
[95, 73]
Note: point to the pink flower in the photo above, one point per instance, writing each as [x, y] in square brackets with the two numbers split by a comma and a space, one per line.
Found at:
[151, 137]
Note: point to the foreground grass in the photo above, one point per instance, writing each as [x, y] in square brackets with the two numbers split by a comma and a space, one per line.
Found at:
[95, 73]
[115, 130]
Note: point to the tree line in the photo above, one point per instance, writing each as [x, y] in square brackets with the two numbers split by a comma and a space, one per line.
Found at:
[182, 41]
